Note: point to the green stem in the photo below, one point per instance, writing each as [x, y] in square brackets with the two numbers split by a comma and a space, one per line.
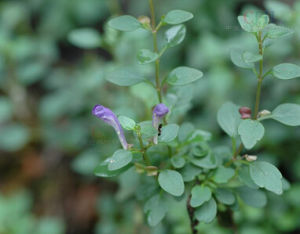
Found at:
[154, 35]
[144, 150]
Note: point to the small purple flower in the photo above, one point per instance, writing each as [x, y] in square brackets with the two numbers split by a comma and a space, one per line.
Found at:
[110, 118]
[159, 111]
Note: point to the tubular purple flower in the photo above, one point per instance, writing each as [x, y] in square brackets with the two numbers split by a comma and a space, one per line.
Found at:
[159, 111]
[110, 118]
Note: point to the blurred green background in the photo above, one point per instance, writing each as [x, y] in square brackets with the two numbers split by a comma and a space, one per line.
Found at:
[54, 56]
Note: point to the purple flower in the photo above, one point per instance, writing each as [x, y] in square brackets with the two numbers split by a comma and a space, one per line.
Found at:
[159, 111]
[110, 118]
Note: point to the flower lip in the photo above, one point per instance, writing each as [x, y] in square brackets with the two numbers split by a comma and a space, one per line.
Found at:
[160, 110]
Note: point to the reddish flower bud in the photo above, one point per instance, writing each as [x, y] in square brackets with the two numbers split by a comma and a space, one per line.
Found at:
[245, 112]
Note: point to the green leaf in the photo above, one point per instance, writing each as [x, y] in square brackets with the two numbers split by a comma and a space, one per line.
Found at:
[175, 35]
[200, 194]
[251, 131]
[207, 212]
[189, 172]
[223, 174]
[249, 57]
[177, 17]
[274, 31]
[229, 118]
[288, 114]
[286, 71]
[178, 161]
[185, 130]
[168, 133]
[183, 76]
[6, 109]
[86, 38]
[252, 197]
[244, 177]
[120, 159]
[125, 23]
[147, 56]
[225, 196]
[267, 176]
[13, 137]
[208, 162]
[147, 129]
[237, 57]
[127, 123]
[102, 170]
[85, 162]
[172, 182]
[252, 22]
[156, 209]
[125, 77]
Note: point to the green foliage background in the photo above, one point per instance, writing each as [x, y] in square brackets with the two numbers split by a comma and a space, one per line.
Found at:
[50, 143]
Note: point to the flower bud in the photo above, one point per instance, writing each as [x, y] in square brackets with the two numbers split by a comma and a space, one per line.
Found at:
[245, 112]
[144, 19]
[250, 158]
[263, 113]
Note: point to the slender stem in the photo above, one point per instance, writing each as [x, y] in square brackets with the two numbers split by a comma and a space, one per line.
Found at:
[154, 35]
[144, 150]
[194, 222]
[260, 78]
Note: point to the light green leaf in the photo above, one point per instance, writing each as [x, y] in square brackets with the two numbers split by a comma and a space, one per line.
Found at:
[177, 17]
[251, 131]
[208, 162]
[171, 181]
[175, 35]
[125, 77]
[147, 129]
[286, 71]
[288, 114]
[102, 170]
[189, 172]
[267, 176]
[185, 130]
[86, 38]
[244, 177]
[178, 161]
[229, 118]
[168, 133]
[237, 58]
[274, 31]
[6, 108]
[184, 76]
[127, 123]
[156, 209]
[147, 56]
[13, 137]
[200, 194]
[249, 57]
[120, 158]
[252, 197]
[225, 196]
[223, 174]
[125, 23]
[252, 22]
[207, 212]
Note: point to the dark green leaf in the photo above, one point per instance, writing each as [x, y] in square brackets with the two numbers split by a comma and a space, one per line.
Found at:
[225, 196]
[156, 209]
[252, 197]
[207, 212]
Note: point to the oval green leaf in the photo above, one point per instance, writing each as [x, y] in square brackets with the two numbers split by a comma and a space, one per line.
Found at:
[175, 35]
[288, 114]
[125, 23]
[286, 71]
[171, 181]
[177, 17]
[251, 131]
[120, 158]
[183, 76]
